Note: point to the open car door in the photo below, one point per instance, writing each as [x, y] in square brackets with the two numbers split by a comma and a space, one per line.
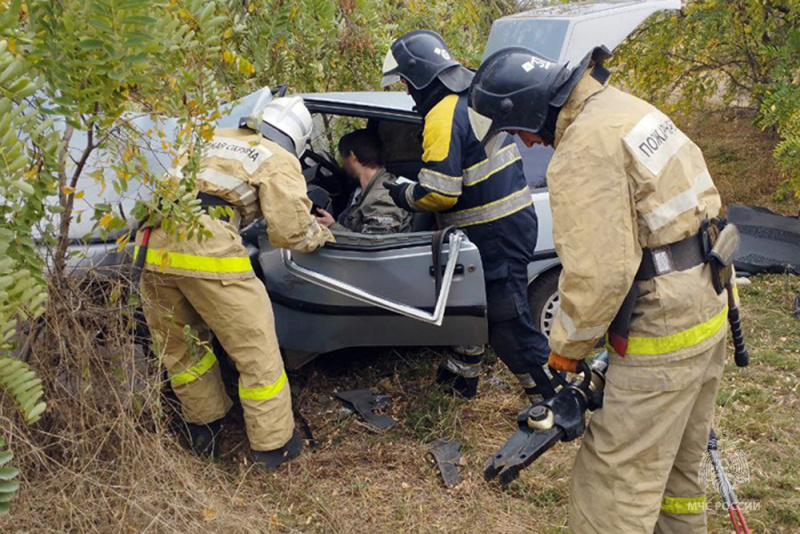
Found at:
[376, 290]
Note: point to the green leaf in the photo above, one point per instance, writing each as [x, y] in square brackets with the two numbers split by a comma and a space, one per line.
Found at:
[8, 473]
[9, 485]
[91, 44]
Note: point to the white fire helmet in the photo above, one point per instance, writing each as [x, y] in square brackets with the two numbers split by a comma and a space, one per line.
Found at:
[290, 115]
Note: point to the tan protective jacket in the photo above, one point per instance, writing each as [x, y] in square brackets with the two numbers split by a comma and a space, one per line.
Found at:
[624, 177]
[259, 178]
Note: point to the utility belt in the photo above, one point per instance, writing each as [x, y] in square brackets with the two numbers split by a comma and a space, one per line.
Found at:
[715, 244]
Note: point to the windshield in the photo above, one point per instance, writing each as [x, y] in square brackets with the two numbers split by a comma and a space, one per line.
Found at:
[544, 36]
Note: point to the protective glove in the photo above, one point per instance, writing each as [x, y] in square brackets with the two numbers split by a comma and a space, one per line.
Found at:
[398, 194]
[560, 363]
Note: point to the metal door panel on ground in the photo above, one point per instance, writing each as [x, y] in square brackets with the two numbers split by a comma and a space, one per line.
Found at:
[311, 319]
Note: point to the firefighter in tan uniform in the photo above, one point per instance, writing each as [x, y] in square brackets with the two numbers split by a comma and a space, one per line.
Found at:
[189, 287]
[629, 194]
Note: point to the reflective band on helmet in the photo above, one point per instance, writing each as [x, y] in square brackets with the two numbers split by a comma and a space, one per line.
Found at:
[653, 346]
[195, 371]
[488, 167]
[191, 262]
[441, 183]
[680, 203]
[683, 505]
[488, 212]
[263, 393]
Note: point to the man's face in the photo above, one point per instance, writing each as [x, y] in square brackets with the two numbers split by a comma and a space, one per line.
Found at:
[528, 138]
[349, 163]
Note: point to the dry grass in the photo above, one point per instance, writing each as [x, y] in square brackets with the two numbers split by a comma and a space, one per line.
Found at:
[107, 456]
[118, 469]
[739, 156]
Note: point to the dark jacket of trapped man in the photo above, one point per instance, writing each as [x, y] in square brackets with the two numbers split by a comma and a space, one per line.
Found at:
[371, 209]
[486, 197]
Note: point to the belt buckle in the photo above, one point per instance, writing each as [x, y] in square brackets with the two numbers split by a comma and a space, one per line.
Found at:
[662, 260]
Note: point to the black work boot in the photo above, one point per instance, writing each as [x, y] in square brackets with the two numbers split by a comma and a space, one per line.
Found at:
[460, 371]
[204, 439]
[271, 460]
[466, 387]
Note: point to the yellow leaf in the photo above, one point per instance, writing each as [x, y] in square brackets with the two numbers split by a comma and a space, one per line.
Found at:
[12, 44]
[67, 190]
[227, 34]
[79, 195]
[210, 514]
[251, 8]
[105, 219]
[274, 522]
[227, 57]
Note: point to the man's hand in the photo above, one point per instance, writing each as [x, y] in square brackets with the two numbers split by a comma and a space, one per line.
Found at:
[560, 363]
[398, 194]
[324, 218]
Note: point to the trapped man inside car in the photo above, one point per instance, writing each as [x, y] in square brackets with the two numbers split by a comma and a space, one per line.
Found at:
[371, 209]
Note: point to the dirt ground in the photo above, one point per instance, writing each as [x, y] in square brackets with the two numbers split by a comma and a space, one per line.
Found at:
[359, 480]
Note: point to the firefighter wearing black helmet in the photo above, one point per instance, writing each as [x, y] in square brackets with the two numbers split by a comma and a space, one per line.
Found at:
[486, 196]
[631, 199]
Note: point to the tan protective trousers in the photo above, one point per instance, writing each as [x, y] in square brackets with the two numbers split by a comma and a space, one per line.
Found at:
[638, 468]
[240, 315]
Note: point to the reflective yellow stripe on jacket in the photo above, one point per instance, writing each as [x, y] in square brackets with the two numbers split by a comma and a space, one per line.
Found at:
[195, 371]
[683, 505]
[264, 393]
[192, 262]
[488, 212]
[654, 346]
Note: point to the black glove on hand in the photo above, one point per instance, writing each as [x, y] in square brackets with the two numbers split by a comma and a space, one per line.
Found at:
[398, 194]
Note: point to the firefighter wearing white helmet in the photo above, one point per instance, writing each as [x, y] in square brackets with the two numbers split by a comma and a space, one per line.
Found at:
[191, 288]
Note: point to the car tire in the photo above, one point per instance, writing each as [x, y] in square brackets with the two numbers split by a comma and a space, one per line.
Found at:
[543, 300]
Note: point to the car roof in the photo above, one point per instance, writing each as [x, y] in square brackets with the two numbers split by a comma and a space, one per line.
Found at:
[583, 10]
[567, 32]
[387, 105]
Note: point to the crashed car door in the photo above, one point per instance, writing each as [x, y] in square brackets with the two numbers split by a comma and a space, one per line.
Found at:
[375, 290]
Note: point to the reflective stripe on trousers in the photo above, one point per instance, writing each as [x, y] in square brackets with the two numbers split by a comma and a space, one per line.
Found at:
[195, 371]
[683, 505]
[266, 392]
[488, 212]
[192, 262]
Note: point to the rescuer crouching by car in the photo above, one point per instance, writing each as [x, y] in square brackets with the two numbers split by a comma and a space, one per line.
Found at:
[191, 287]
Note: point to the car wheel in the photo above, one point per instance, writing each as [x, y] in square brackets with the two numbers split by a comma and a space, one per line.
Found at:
[543, 300]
